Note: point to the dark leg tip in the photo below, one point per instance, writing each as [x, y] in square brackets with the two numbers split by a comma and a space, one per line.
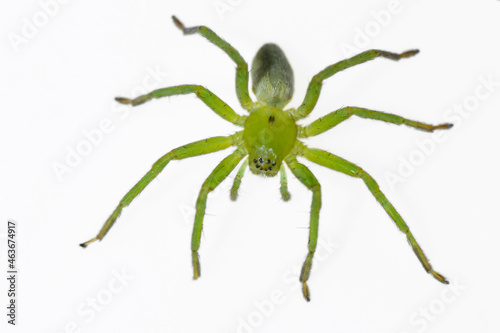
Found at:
[305, 292]
[439, 277]
[409, 53]
[84, 245]
[443, 126]
[123, 100]
[178, 23]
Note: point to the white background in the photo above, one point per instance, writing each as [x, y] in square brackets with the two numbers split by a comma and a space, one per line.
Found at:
[61, 81]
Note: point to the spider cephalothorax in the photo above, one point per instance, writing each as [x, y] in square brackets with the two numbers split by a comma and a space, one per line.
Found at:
[270, 136]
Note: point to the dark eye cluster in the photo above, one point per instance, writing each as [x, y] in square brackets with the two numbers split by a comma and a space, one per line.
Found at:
[264, 165]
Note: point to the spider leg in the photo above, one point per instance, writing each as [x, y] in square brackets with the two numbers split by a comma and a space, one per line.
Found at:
[334, 162]
[314, 87]
[237, 180]
[332, 119]
[309, 180]
[241, 65]
[285, 195]
[192, 149]
[214, 179]
[209, 98]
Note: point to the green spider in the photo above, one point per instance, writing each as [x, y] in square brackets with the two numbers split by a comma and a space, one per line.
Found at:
[270, 136]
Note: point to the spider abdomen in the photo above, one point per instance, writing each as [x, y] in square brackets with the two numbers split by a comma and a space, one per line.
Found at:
[272, 76]
[269, 135]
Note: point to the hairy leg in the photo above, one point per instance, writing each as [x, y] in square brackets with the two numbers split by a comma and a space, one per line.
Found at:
[332, 119]
[334, 162]
[242, 67]
[309, 180]
[314, 88]
[190, 150]
[237, 180]
[214, 179]
[285, 195]
[209, 98]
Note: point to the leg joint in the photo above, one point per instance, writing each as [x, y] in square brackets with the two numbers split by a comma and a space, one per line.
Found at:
[315, 187]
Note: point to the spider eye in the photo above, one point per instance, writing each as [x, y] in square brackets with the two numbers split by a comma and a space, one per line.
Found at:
[255, 160]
